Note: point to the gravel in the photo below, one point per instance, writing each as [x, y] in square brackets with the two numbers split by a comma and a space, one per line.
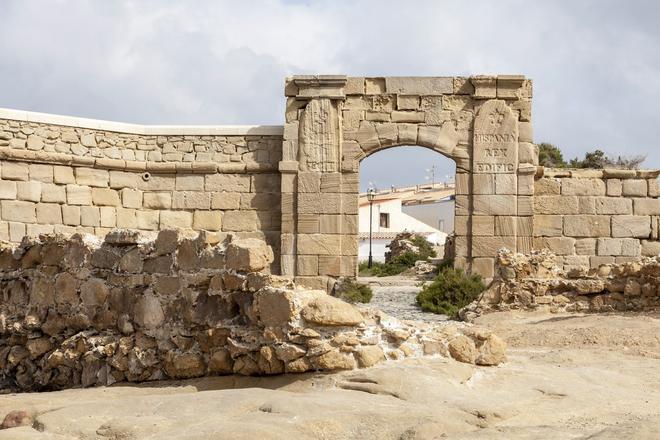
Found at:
[399, 300]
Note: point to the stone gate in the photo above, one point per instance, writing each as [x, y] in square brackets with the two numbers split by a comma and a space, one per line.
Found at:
[483, 124]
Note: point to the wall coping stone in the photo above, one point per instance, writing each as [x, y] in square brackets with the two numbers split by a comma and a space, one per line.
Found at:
[606, 173]
[121, 127]
[199, 167]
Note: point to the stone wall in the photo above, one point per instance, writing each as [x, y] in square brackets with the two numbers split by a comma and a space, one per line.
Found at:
[594, 217]
[296, 186]
[537, 281]
[92, 176]
[80, 311]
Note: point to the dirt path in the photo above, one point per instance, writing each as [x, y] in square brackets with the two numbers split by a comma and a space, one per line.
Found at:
[396, 297]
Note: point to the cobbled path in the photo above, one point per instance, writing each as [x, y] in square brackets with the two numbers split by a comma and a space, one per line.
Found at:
[398, 300]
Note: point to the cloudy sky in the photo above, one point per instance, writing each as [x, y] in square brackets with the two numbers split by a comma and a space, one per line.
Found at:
[595, 63]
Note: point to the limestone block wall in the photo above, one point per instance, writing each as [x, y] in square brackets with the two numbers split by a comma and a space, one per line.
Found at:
[594, 217]
[67, 175]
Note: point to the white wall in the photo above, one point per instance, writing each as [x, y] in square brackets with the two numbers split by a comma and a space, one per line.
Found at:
[432, 213]
[378, 249]
[399, 221]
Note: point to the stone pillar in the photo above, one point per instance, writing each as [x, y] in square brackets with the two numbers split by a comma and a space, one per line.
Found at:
[495, 201]
[314, 194]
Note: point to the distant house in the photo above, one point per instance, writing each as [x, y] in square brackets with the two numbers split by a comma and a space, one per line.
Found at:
[424, 209]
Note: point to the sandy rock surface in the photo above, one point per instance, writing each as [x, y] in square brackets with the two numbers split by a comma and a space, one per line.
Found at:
[568, 376]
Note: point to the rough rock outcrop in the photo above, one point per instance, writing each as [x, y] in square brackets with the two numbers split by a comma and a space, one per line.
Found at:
[536, 280]
[80, 311]
[401, 244]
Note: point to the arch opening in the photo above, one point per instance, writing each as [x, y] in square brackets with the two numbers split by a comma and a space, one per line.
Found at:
[414, 192]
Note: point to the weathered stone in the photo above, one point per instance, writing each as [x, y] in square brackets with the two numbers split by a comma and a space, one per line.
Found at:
[494, 205]
[274, 307]
[185, 366]
[17, 418]
[495, 138]
[239, 221]
[650, 248]
[645, 207]
[221, 362]
[18, 211]
[631, 226]
[463, 349]
[149, 312]
[207, 220]
[94, 292]
[369, 356]
[419, 85]
[635, 187]
[558, 245]
[289, 352]
[583, 187]
[333, 360]
[555, 205]
[167, 241]
[488, 246]
[38, 347]
[329, 311]
[613, 205]
[614, 187]
[248, 255]
[609, 246]
[587, 226]
[547, 187]
[492, 351]
[548, 225]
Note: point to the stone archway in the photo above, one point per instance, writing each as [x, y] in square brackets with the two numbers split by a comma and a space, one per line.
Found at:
[332, 122]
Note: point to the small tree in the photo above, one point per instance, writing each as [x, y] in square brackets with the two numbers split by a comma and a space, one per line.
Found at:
[629, 162]
[598, 159]
[592, 159]
[550, 156]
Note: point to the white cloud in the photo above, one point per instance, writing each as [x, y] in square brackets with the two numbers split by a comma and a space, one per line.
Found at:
[594, 63]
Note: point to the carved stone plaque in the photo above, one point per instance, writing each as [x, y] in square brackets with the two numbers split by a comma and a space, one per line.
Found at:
[495, 139]
[319, 137]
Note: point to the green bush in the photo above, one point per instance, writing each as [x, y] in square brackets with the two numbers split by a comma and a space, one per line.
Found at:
[400, 263]
[450, 291]
[352, 291]
[426, 250]
[380, 269]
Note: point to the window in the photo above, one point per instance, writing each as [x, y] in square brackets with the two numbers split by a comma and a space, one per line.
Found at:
[384, 220]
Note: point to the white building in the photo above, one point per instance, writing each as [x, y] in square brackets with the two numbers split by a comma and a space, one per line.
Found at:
[388, 217]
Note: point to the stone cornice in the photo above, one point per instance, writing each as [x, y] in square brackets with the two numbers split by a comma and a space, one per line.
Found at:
[320, 86]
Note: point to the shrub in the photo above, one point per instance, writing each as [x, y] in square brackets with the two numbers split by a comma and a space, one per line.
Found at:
[450, 291]
[401, 262]
[426, 250]
[381, 269]
[550, 156]
[352, 291]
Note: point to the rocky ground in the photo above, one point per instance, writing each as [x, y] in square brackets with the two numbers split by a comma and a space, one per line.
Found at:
[569, 376]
